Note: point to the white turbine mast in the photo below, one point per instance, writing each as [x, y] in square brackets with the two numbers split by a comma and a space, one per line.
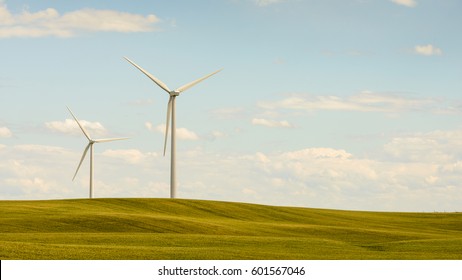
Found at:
[90, 146]
[171, 114]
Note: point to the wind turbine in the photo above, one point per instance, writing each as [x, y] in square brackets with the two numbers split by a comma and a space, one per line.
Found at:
[171, 114]
[90, 146]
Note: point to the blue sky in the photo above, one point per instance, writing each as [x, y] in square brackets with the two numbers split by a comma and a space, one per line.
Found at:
[345, 104]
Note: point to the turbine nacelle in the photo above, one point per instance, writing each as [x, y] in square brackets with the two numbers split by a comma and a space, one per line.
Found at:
[174, 93]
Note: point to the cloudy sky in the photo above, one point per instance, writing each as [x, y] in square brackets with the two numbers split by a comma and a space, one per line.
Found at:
[345, 104]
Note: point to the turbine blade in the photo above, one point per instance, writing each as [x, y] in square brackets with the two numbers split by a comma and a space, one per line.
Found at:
[154, 79]
[81, 160]
[81, 127]
[169, 108]
[187, 86]
[109, 139]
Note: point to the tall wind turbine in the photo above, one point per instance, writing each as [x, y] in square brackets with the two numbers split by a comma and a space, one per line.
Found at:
[171, 114]
[90, 146]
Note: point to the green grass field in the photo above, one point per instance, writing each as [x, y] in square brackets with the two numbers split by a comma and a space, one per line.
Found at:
[193, 229]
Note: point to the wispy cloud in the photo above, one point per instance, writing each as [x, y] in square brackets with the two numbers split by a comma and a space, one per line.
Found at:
[424, 168]
[407, 3]
[149, 126]
[50, 22]
[427, 50]
[133, 156]
[181, 132]
[432, 147]
[36, 184]
[40, 149]
[5, 132]
[70, 127]
[419, 172]
[270, 123]
[365, 101]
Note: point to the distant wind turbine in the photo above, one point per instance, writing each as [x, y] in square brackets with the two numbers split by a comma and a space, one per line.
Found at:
[90, 146]
[171, 114]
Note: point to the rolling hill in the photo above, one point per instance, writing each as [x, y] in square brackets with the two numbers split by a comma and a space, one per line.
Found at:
[194, 229]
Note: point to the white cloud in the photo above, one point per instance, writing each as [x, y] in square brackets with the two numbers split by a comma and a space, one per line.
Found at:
[50, 22]
[407, 3]
[421, 174]
[157, 189]
[40, 149]
[248, 191]
[181, 133]
[271, 123]
[412, 172]
[427, 50]
[431, 180]
[70, 127]
[131, 181]
[132, 156]
[307, 164]
[365, 101]
[432, 147]
[317, 153]
[186, 134]
[5, 132]
[33, 171]
[29, 184]
[149, 126]
[30, 171]
[20, 168]
[334, 178]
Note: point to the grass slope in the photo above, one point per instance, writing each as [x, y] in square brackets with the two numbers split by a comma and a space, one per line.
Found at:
[192, 229]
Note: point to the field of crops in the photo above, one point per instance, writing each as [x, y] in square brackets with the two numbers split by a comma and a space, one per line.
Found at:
[193, 229]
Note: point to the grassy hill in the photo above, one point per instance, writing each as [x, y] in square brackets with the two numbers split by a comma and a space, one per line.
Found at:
[192, 229]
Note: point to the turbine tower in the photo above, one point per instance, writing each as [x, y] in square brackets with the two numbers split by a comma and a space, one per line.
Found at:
[171, 114]
[90, 146]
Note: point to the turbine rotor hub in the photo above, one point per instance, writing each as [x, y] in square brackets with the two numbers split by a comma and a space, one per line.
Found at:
[174, 93]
